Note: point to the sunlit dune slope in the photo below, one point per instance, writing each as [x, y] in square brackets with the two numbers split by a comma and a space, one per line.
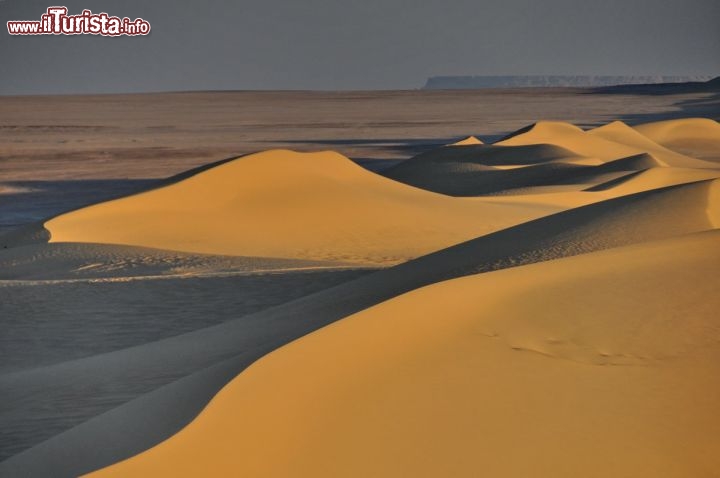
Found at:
[599, 365]
[285, 204]
[667, 132]
[611, 222]
[609, 142]
[467, 141]
[570, 137]
[621, 133]
[649, 215]
[653, 178]
[697, 137]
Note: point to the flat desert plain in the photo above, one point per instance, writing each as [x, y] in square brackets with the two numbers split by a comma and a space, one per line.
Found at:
[504, 283]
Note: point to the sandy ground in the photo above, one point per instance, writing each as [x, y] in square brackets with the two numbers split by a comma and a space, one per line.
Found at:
[537, 305]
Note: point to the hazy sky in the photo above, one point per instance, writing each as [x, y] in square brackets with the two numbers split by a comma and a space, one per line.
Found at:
[360, 44]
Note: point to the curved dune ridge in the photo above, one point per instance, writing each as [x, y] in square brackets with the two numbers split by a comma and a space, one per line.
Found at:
[461, 377]
[554, 156]
[550, 311]
[612, 141]
[686, 129]
[145, 421]
[317, 206]
[698, 137]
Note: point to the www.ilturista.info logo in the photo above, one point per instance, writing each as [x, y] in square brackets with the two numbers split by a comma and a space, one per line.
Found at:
[57, 22]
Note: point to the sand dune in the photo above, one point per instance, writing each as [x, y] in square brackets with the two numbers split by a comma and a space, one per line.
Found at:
[464, 177]
[493, 155]
[670, 131]
[697, 137]
[609, 142]
[570, 137]
[548, 155]
[508, 387]
[474, 180]
[653, 178]
[621, 133]
[637, 162]
[467, 141]
[577, 334]
[290, 205]
[631, 219]
[489, 169]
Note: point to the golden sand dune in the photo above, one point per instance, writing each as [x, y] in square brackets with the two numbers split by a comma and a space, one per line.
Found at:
[697, 137]
[652, 178]
[570, 137]
[609, 142]
[317, 206]
[553, 369]
[488, 169]
[467, 141]
[649, 215]
[621, 133]
[626, 220]
[575, 332]
[461, 176]
[637, 162]
[547, 157]
[690, 129]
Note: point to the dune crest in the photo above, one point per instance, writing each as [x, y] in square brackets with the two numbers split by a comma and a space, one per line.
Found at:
[557, 320]
[621, 133]
[467, 141]
[550, 157]
[284, 204]
[696, 137]
[653, 178]
[608, 142]
[669, 131]
[510, 387]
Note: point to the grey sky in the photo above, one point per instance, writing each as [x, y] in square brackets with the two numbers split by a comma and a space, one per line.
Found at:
[361, 44]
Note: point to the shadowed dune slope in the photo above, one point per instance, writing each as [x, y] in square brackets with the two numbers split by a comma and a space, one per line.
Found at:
[317, 206]
[653, 178]
[638, 162]
[486, 169]
[557, 348]
[462, 377]
[477, 180]
[471, 174]
[645, 216]
[491, 155]
[555, 156]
